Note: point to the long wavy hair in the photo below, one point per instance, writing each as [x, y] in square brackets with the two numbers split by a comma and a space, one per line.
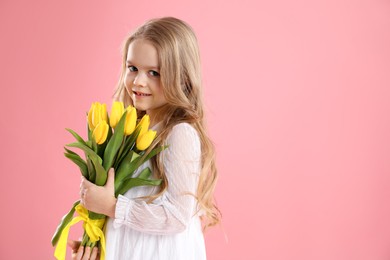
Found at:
[180, 75]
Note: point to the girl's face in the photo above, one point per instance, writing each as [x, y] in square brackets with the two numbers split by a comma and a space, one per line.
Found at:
[142, 78]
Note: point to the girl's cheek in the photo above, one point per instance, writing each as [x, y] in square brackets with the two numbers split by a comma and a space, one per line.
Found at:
[127, 80]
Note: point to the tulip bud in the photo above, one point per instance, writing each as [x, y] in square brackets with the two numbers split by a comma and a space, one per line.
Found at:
[96, 114]
[144, 141]
[100, 132]
[131, 120]
[116, 113]
[144, 124]
[96, 118]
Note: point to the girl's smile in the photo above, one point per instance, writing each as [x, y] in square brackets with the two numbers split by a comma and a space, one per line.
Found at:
[139, 94]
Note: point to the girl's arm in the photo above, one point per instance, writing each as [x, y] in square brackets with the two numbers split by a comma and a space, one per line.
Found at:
[171, 212]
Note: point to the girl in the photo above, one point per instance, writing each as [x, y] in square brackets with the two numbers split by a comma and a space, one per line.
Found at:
[161, 76]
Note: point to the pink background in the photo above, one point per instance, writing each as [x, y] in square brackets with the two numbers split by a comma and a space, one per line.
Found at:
[298, 106]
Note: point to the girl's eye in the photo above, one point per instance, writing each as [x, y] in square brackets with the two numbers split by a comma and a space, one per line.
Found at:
[132, 68]
[154, 73]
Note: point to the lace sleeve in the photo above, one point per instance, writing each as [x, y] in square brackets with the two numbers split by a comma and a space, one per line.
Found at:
[172, 211]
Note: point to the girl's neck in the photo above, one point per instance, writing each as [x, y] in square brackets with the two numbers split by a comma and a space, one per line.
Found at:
[156, 116]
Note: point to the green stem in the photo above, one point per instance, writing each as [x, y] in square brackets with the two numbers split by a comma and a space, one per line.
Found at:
[85, 239]
[119, 154]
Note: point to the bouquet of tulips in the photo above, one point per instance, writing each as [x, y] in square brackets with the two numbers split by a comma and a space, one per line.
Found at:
[113, 142]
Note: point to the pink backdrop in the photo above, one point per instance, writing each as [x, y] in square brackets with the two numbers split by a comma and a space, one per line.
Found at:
[298, 106]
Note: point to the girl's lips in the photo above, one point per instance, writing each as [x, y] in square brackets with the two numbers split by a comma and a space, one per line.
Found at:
[140, 94]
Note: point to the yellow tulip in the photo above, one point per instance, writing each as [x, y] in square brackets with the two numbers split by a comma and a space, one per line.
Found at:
[96, 114]
[99, 114]
[116, 113]
[100, 132]
[143, 141]
[131, 120]
[144, 124]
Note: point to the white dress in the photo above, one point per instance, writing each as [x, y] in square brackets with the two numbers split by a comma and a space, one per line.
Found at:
[168, 228]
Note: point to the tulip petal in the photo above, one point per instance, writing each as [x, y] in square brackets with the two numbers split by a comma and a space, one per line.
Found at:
[100, 133]
[96, 118]
[117, 110]
[145, 140]
[144, 124]
[131, 121]
[90, 116]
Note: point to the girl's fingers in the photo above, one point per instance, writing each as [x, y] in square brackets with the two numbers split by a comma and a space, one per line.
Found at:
[87, 253]
[79, 254]
[94, 254]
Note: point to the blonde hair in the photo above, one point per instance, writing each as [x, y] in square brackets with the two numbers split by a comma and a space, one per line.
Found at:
[180, 74]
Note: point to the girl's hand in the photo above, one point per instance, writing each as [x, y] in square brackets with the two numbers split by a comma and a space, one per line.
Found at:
[78, 252]
[99, 199]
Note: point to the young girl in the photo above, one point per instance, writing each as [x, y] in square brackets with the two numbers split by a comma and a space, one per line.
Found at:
[161, 76]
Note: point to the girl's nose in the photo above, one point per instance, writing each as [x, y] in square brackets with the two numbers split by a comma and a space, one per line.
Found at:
[140, 80]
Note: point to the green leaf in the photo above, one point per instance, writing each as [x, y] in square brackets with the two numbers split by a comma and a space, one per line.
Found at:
[101, 173]
[147, 156]
[86, 149]
[131, 166]
[94, 145]
[64, 221]
[145, 173]
[69, 151]
[78, 138]
[102, 147]
[89, 130]
[126, 168]
[127, 146]
[79, 162]
[120, 154]
[134, 182]
[91, 170]
[114, 143]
